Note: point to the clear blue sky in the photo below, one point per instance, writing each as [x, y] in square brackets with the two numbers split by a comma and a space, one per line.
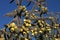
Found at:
[5, 7]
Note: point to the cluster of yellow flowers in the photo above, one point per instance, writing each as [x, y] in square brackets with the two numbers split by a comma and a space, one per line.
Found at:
[32, 25]
[41, 26]
[25, 29]
[12, 26]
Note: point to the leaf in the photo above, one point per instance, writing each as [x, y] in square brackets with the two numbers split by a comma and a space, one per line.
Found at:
[13, 13]
[11, 1]
[28, 3]
[20, 2]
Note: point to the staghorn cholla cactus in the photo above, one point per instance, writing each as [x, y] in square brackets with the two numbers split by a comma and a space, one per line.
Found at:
[32, 25]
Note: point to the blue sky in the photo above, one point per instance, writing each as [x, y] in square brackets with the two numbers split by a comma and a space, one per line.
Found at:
[5, 7]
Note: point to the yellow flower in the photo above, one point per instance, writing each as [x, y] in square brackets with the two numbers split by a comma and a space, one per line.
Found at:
[32, 30]
[44, 9]
[24, 20]
[24, 32]
[51, 17]
[36, 10]
[39, 21]
[42, 25]
[8, 26]
[47, 24]
[26, 39]
[56, 39]
[24, 8]
[26, 11]
[21, 29]
[2, 35]
[32, 34]
[12, 29]
[57, 25]
[42, 28]
[29, 21]
[35, 32]
[40, 31]
[43, 22]
[49, 29]
[27, 31]
[35, 28]
[27, 15]
[29, 24]
[12, 24]
[33, 16]
[20, 8]
[15, 27]
[46, 35]
[54, 35]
